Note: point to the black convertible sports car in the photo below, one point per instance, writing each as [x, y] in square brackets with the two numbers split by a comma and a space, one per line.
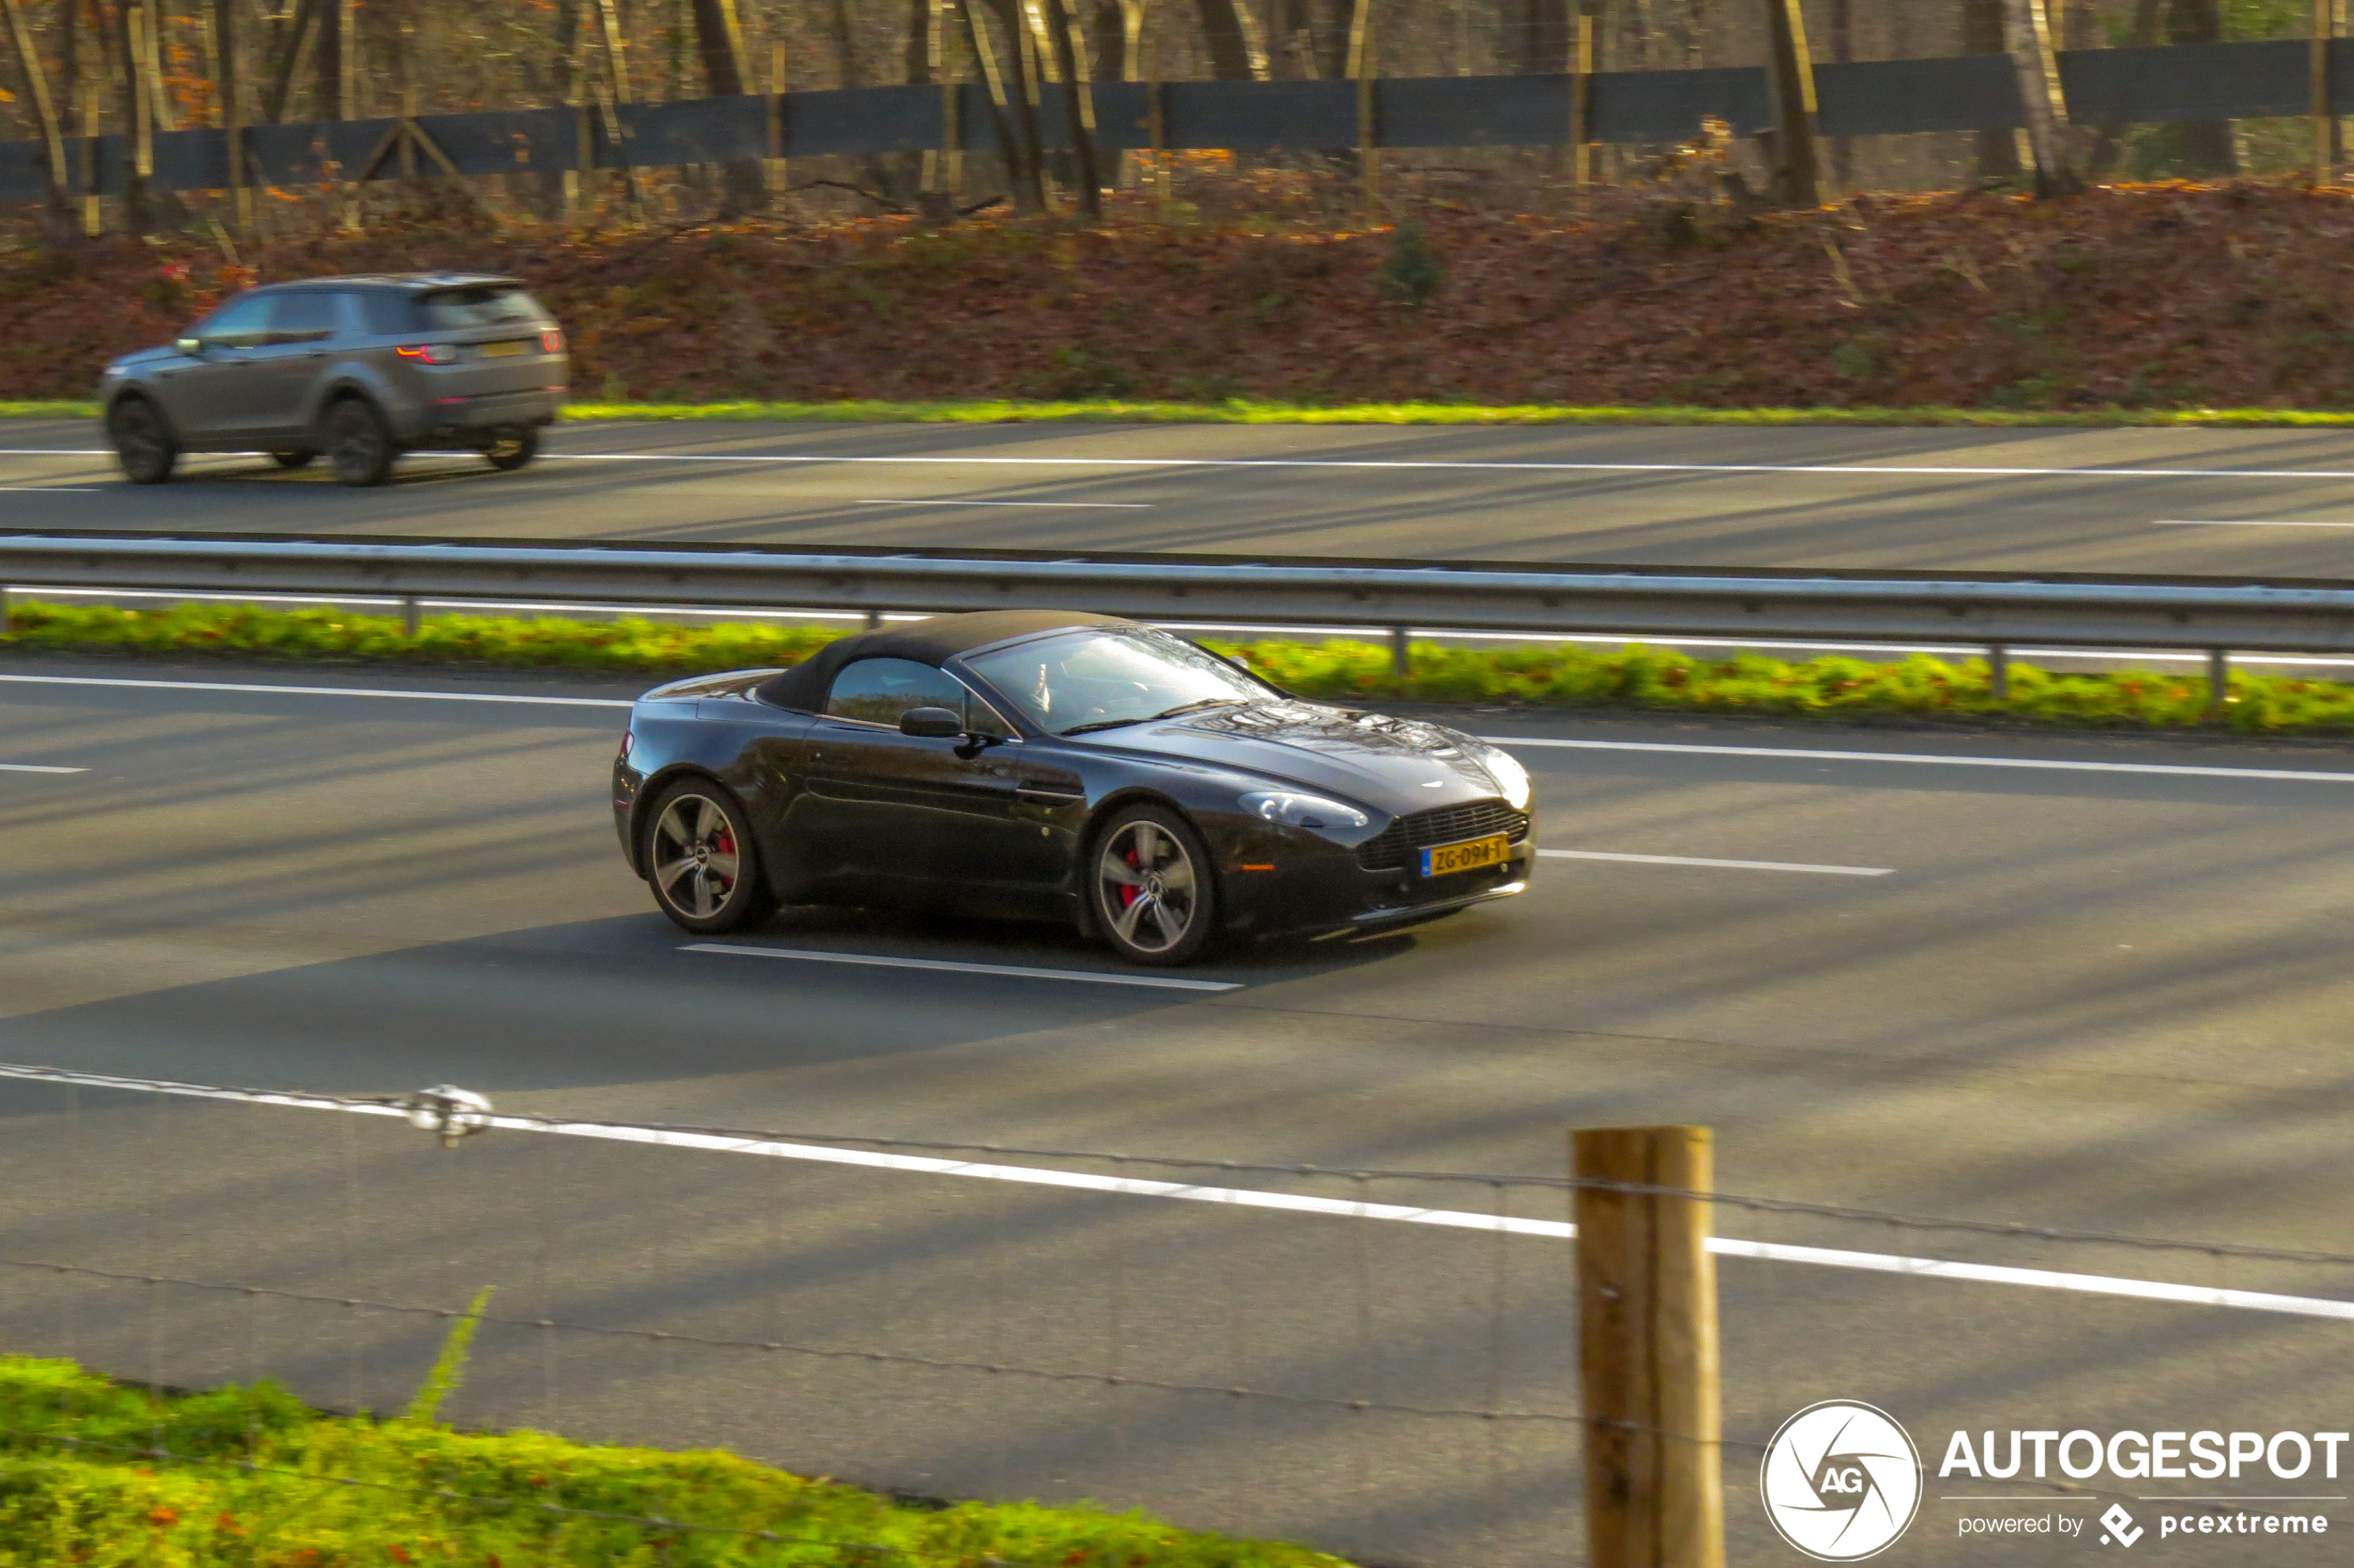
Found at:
[1041, 764]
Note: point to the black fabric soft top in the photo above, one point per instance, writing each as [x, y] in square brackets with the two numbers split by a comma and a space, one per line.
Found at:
[931, 641]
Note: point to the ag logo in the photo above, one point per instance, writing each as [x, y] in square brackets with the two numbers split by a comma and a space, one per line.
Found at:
[1840, 1481]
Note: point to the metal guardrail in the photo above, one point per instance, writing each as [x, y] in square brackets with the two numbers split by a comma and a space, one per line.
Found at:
[2216, 615]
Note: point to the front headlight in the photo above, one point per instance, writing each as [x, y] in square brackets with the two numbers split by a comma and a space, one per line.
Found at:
[1295, 809]
[1508, 775]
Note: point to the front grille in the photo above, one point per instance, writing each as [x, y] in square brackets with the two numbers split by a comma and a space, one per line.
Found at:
[1390, 849]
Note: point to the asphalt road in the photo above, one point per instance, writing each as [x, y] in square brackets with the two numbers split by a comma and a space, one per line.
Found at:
[2107, 998]
[2228, 501]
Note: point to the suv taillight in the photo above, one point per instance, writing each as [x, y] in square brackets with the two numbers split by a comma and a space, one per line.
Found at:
[551, 341]
[431, 353]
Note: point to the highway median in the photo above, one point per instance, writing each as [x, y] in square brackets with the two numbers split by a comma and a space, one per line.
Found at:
[1916, 688]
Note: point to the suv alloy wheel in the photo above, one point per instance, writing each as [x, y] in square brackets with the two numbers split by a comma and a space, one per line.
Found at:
[358, 443]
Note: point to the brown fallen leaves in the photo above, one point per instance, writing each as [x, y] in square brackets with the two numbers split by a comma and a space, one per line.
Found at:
[2141, 296]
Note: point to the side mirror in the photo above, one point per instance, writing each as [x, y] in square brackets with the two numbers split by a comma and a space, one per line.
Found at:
[932, 724]
[189, 345]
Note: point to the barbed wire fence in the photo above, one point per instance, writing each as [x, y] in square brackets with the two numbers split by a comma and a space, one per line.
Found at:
[1382, 1363]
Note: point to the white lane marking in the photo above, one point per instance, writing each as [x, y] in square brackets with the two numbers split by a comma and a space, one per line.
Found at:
[1726, 865]
[318, 690]
[1440, 464]
[36, 767]
[2174, 768]
[1381, 463]
[1129, 1187]
[1163, 983]
[2235, 523]
[1099, 506]
[50, 489]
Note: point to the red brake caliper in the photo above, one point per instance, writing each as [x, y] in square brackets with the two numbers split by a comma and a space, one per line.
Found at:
[1128, 892]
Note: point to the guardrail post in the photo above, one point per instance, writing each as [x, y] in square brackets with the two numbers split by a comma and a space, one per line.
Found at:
[2219, 681]
[1998, 672]
[408, 615]
[874, 620]
[5, 609]
[1647, 1330]
[1401, 651]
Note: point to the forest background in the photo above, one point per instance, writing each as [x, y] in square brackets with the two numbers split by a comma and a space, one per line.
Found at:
[1488, 275]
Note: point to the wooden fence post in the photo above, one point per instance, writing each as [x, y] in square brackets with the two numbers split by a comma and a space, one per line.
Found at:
[1647, 1334]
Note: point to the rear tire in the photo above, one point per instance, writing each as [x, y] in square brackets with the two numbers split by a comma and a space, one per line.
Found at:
[144, 444]
[511, 450]
[697, 851]
[1150, 887]
[301, 457]
[358, 443]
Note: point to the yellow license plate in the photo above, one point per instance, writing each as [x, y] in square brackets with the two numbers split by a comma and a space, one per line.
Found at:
[1442, 860]
[502, 350]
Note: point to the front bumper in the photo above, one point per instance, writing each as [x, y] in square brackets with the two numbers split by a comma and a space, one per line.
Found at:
[1304, 886]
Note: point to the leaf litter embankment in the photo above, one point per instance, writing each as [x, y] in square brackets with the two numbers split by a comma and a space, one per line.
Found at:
[2157, 296]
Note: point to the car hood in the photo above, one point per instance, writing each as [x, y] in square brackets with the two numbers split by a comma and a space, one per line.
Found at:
[1393, 765]
[145, 357]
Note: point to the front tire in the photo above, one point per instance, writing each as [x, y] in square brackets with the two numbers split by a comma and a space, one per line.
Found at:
[144, 444]
[1150, 887]
[511, 450]
[699, 857]
[358, 444]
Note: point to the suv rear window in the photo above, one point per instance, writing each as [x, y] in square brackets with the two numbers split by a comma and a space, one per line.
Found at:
[481, 305]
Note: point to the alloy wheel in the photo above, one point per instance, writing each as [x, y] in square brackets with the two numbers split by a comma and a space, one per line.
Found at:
[697, 862]
[141, 444]
[1150, 889]
[357, 444]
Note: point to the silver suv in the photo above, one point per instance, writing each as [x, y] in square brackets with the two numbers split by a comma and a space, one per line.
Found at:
[362, 369]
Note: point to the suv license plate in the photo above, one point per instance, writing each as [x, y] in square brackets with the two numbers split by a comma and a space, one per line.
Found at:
[503, 350]
[1442, 860]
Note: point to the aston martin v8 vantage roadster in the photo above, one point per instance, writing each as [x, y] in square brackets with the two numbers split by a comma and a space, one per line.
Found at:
[1030, 765]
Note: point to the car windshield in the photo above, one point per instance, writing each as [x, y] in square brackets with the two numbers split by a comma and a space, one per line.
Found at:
[477, 306]
[1100, 680]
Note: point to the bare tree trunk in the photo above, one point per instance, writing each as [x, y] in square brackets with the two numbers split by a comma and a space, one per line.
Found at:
[1842, 148]
[1030, 179]
[845, 44]
[719, 40]
[1107, 35]
[1221, 29]
[277, 95]
[1011, 150]
[44, 109]
[326, 99]
[1086, 173]
[2206, 144]
[1540, 31]
[1982, 34]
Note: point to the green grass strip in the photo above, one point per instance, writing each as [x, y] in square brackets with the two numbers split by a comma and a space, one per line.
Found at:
[1559, 676]
[1244, 412]
[260, 1480]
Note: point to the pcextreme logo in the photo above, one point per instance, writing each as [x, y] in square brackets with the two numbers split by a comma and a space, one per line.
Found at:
[1841, 1481]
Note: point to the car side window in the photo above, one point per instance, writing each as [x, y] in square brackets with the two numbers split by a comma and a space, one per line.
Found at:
[305, 318]
[389, 314]
[880, 691]
[240, 324]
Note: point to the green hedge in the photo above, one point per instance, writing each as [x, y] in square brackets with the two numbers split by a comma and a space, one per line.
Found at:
[255, 1480]
[1568, 676]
